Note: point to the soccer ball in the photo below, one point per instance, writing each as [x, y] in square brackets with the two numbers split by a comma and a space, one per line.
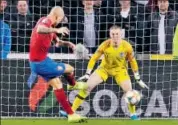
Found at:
[133, 97]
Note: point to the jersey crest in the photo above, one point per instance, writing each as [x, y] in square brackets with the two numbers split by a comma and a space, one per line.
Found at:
[122, 54]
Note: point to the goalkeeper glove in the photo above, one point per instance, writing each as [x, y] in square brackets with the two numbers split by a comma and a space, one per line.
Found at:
[86, 76]
[139, 81]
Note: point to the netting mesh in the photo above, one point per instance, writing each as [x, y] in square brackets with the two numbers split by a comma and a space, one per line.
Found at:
[106, 100]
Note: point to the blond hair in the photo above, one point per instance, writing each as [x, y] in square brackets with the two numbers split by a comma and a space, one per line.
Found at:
[115, 27]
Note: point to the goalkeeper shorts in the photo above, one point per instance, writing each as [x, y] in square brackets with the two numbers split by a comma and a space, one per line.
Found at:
[48, 68]
[119, 75]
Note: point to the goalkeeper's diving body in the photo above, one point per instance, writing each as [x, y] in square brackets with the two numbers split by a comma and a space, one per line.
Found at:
[116, 53]
[42, 35]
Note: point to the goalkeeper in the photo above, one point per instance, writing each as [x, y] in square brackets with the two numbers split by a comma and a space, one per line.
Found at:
[116, 53]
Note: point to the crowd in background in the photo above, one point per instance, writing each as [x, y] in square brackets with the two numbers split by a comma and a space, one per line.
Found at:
[149, 25]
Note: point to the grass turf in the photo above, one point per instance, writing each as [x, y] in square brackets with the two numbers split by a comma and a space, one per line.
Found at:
[90, 122]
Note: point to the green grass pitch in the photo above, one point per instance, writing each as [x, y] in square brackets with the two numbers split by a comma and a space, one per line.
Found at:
[90, 122]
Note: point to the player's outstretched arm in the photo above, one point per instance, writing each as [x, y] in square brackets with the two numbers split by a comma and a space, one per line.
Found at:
[45, 30]
[134, 66]
[94, 58]
[64, 43]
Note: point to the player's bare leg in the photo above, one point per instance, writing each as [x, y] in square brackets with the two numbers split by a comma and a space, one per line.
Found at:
[127, 86]
[69, 76]
[68, 68]
[62, 99]
[92, 82]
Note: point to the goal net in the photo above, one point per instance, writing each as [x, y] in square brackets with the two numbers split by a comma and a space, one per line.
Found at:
[159, 72]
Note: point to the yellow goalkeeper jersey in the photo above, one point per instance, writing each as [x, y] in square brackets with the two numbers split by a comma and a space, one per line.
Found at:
[114, 57]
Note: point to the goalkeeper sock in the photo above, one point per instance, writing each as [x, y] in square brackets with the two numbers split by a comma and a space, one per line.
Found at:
[70, 78]
[79, 99]
[62, 99]
[131, 109]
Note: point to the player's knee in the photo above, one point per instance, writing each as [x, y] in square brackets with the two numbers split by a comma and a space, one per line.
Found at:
[126, 86]
[89, 89]
[72, 69]
[69, 68]
[55, 83]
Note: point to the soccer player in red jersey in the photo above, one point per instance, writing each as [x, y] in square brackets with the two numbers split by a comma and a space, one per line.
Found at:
[42, 35]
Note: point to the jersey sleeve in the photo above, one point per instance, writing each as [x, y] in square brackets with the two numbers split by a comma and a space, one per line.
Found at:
[95, 57]
[45, 22]
[130, 53]
[131, 58]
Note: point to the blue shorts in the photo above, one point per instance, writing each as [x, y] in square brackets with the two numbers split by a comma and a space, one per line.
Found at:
[47, 68]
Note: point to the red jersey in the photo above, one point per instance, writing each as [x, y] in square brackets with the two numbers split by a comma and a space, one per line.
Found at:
[40, 43]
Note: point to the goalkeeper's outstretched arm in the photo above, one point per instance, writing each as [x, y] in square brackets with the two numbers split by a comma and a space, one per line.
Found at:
[134, 67]
[131, 59]
[95, 57]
